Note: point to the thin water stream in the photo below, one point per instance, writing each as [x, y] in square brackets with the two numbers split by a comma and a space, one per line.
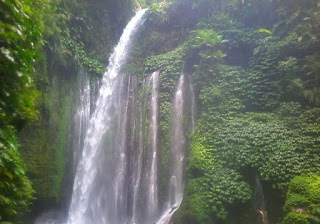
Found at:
[177, 154]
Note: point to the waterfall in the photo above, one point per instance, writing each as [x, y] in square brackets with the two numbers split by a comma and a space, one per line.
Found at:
[177, 152]
[144, 169]
[177, 155]
[99, 192]
[260, 203]
[81, 116]
[137, 162]
[152, 186]
[81, 94]
[137, 167]
[116, 143]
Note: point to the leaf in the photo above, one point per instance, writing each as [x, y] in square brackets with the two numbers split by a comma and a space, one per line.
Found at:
[264, 31]
[9, 175]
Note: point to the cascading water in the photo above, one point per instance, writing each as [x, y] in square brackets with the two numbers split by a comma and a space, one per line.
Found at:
[177, 155]
[144, 175]
[82, 96]
[137, 171]
[99, 191]
[137, 160]
[116, 179]
[260, 204]
[152, 169]
[177, 152]
[81, 117]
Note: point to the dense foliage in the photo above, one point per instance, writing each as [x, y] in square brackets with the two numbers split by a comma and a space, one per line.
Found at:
[15, 188]
[255, 68]
[20, 39]
[303, 200]
[42, 46]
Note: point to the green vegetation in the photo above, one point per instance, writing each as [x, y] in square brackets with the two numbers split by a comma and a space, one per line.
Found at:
[20, 39]
[15, 188]
[43, 44]
[43, 144]
[255, 68]
[211, 186]
[303, 200]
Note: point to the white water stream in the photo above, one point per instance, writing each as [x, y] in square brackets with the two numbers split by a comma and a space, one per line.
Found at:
[152, 187]
[98, 191]
[177, 155]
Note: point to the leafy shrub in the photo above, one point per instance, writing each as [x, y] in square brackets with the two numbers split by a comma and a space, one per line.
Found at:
[304, 193]
[295, 218]
[15, 188]
[211, 187]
